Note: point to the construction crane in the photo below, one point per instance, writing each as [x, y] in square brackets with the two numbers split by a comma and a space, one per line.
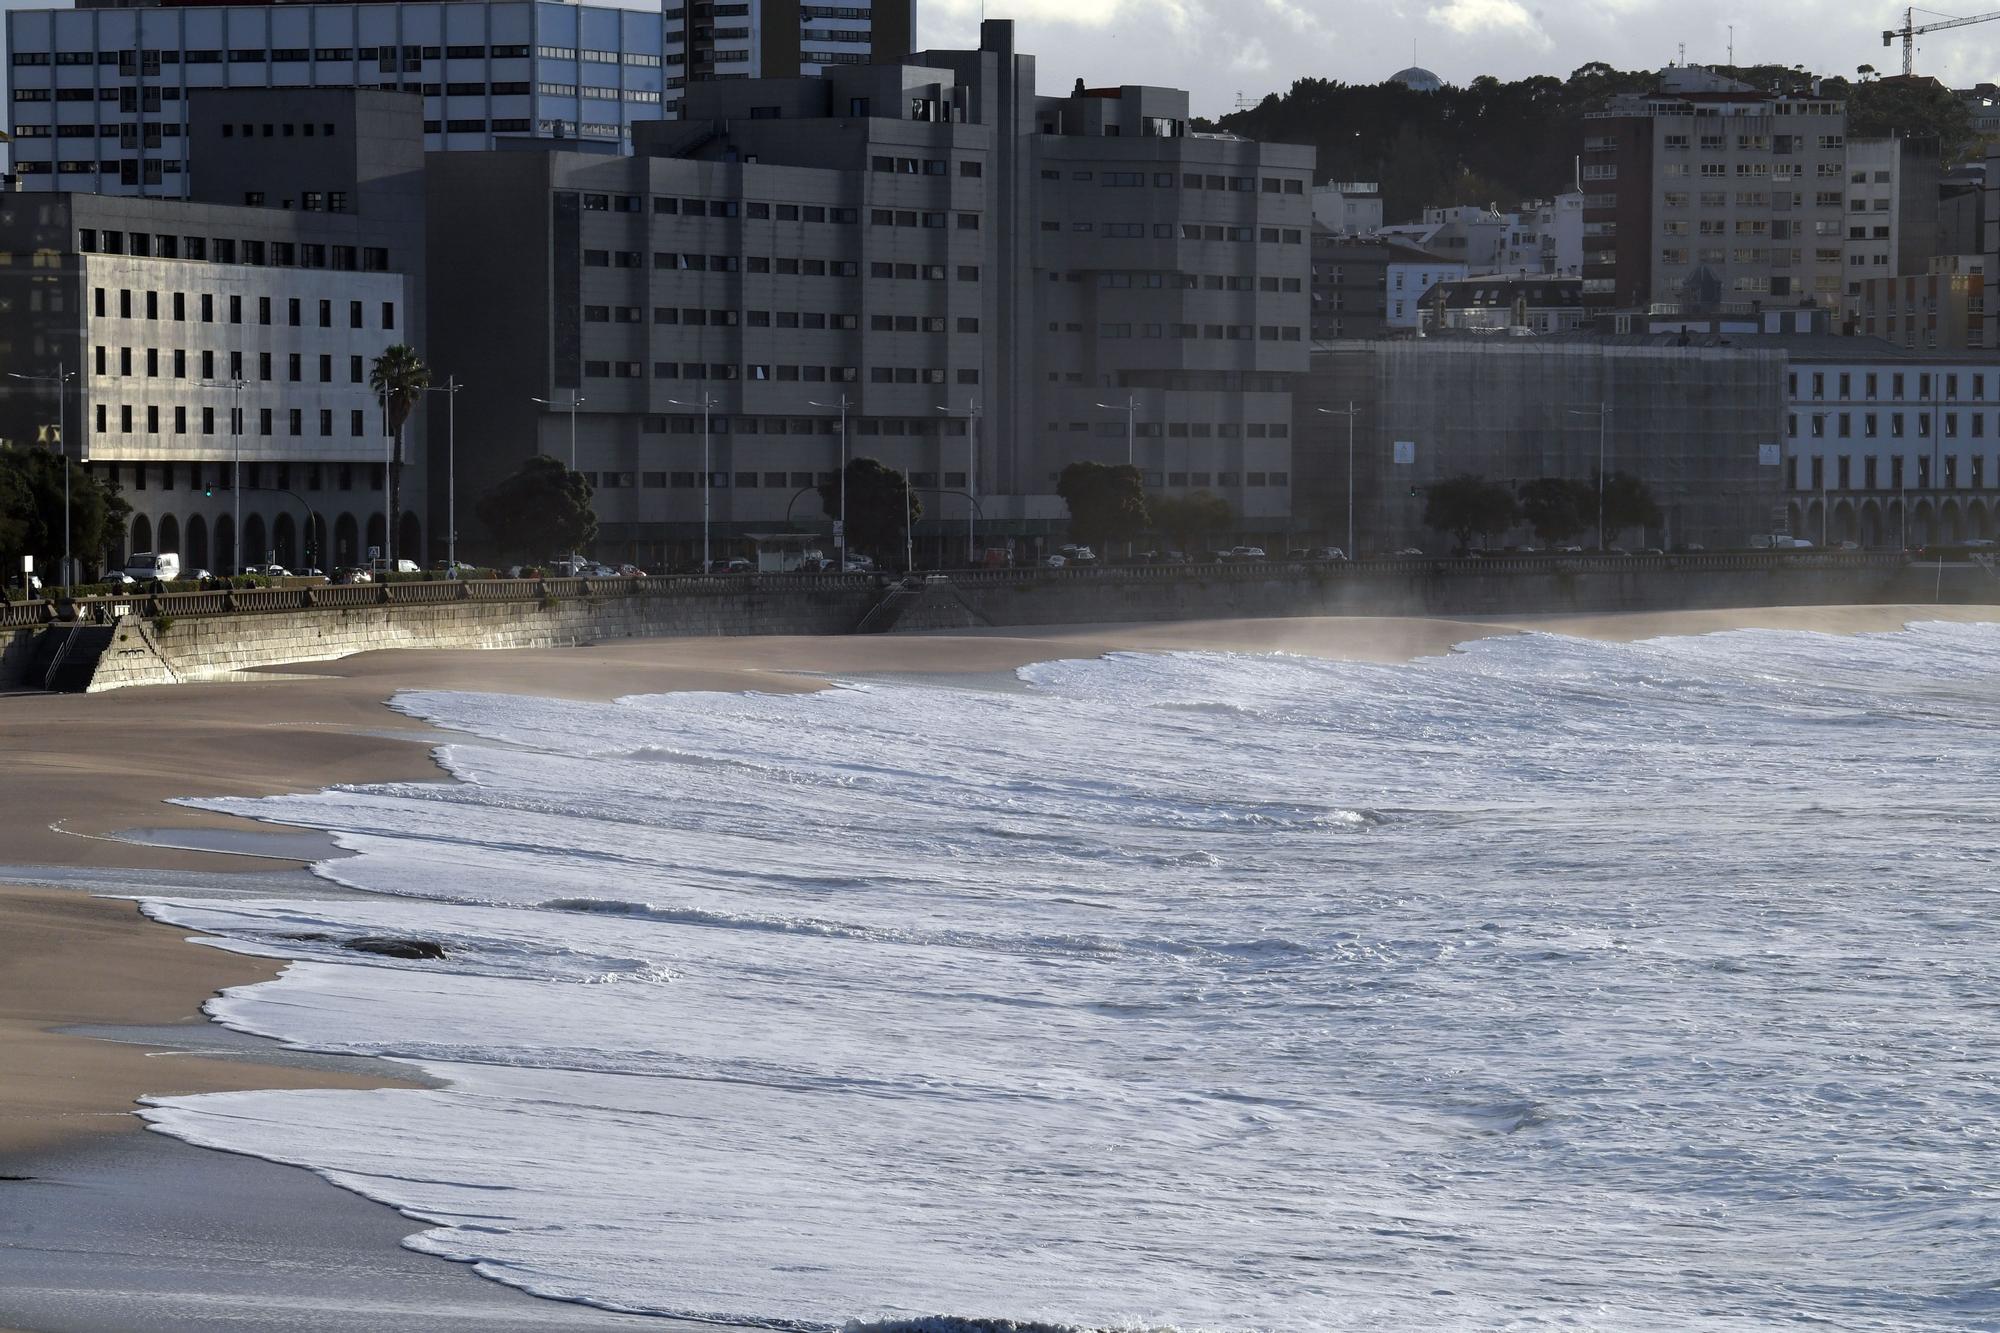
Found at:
[1909, 32]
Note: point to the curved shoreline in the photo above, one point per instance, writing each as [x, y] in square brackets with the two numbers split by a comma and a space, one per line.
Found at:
[95, 765]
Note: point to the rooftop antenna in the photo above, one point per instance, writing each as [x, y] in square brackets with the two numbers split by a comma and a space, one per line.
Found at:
[1684, 54]
[1732, 46]
[1243, 101]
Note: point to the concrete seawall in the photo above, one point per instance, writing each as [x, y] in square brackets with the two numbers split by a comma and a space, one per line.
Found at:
[216, 634]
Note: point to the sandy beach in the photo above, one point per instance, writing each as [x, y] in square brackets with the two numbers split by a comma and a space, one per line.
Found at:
[99, 1007]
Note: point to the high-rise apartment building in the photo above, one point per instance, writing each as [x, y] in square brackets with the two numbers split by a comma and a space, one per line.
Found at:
[99, 96]
[1712, 192]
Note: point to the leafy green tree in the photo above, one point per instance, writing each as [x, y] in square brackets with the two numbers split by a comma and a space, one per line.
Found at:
[1189, 519]
[1469, 506]
[1557, 508]
[881, 508]
[399, 378]
[540, 510]
[31, 511]
[1911, 108]
[1628, 503]
[1107, 501]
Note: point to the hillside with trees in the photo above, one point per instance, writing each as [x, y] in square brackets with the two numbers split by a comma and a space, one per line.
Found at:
[1501, 143]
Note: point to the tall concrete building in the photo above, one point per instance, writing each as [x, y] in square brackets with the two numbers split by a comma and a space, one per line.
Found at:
[928, 241]
[1893, 213]
[203, 342]
[100, 95]
[754, 39]
[1715, 192]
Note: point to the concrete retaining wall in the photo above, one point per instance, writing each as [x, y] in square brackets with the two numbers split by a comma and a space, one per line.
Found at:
[1337, 592]
[205, 647]
[197, 647]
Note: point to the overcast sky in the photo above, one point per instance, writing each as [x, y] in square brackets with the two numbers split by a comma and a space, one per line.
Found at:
[1215, 48]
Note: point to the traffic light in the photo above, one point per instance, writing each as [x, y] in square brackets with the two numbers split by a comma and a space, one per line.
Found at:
[210, 490]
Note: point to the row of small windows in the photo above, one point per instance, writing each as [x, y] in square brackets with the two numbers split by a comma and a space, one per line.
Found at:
[1212, 282]
[1183, 430]
[198, 475]
[926, 166]
[1166, 180]
[231, 250]
[758, 372]
[688, 262]
[1186, 231]
[185, 421]
[745, 481]
[1871, 385]
[205, 305]
[667, 205]
[150, 62]
[1843, 424]
[1872, 477]
[862, 427]
[177, 365]
[1269, 333]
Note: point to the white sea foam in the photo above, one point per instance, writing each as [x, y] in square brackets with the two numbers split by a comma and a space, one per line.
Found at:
[1553, 984]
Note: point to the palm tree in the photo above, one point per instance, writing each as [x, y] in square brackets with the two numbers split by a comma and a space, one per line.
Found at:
[399, 378]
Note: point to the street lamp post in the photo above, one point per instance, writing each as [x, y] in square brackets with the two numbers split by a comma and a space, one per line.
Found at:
[61, 380]
[1130, 407]
[451, 387]
[971, 479]
[707, 405]
[1603, 414]
[840, 537]
[1350, 412]
[236, 388]
[576, 400]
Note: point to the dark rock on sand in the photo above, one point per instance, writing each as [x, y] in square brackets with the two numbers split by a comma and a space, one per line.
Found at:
[390, 946]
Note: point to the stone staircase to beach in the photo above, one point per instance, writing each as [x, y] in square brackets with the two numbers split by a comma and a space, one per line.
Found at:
[909, 606]
[66, 657]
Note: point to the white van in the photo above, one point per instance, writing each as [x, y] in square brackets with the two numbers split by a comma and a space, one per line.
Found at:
[146, 566]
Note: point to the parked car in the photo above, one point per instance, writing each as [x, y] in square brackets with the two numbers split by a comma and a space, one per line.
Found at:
[1970, 544]
[401, 566]
[1325, 554]
[1409, 550]
[733, 565]
[117, 578]
[198, 575]
[354, 574]
[860, 564]
[1056, 561]
[1078, 555]
[1247, 553]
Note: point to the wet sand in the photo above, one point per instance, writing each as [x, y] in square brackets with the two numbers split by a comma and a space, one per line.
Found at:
[76, 771]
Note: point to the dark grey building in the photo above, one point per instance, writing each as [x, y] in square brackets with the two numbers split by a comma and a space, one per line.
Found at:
[1692, 422]
[1350, 280]
[928, 241]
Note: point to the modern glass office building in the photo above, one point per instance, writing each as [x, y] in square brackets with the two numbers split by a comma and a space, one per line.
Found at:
[99, 94]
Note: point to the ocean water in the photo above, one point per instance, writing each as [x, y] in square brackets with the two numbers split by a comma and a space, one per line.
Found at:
[1552, 984]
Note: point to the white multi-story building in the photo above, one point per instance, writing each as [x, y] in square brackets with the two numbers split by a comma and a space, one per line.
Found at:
[1545, 237]
[1348, 208]
[1890, 447]
[1412, 273]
